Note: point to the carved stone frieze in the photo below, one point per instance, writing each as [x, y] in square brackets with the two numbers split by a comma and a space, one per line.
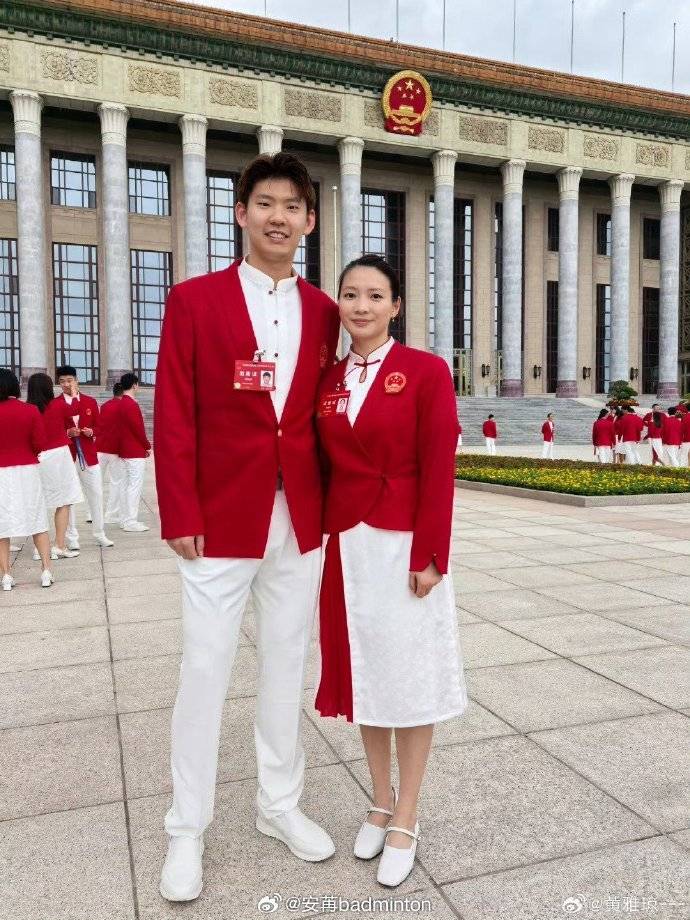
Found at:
[599, 147]
[687, 159]
[142, 78]
[4, 56]
[549, 139]
[483, 130]
[239, 93]
[69, 66]
[652, 155]
[307, 104]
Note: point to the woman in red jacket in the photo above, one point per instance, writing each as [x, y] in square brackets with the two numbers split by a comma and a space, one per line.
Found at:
[604, 437]
[61, 487]
[22, 506]
[387, 422]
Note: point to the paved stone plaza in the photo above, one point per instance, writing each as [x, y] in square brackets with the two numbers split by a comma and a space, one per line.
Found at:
[564, 779]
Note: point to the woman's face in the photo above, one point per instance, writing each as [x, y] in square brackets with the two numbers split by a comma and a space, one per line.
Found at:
[366, 303]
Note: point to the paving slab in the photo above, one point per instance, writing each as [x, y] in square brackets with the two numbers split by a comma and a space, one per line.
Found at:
[662, 674]
[55, 694]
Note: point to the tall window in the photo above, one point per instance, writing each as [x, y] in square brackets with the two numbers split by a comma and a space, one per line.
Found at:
[149, 189]
[75, 305]
[651, 238]
[553, 229]
[432, 281]
[308, 255]
[151, 280]
[498, 276]
[72, 180]
[8, 186]
[603, 339]
[650, 339]
[462, 274]
[224, 233]
[551, 336]
[603, 234]
[383, 231]
[9, 306]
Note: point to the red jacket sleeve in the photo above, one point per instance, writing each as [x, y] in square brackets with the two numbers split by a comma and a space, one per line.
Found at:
[437, 438]
[174, 424]
[134, 421]
[39, 438]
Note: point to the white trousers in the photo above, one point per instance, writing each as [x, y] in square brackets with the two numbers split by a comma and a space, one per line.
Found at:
[112, 473]
[685, 453]
[604, 454]
[490, 446]
[547, 450]
[130, 491]
[657, 448]
[284, 588]
[92, 483]
[632, 453]
[673, 453]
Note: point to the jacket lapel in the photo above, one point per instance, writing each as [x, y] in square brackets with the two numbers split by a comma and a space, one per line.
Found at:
[372, 402]
[308, 347]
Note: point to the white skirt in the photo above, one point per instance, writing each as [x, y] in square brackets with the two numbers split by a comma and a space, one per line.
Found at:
[22, 507]
[59, 478]
[404, 651]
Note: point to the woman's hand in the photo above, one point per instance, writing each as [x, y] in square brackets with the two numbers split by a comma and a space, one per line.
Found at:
[421, 583]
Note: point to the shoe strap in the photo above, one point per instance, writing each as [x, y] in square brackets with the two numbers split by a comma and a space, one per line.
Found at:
[380, 811]
[402, 830]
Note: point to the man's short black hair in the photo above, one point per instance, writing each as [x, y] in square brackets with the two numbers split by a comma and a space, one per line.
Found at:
[629, 409]
[128, 380]
[117, 389]
[490, 415]
[278, 166]
[65, 371]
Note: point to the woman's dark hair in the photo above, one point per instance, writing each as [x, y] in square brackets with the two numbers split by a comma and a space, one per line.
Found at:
[372, 260]
[39, 391]
[602, 414]
[672, 410]
[278, 166]
[117, 389]
[9, 385]
[658, 418]
[619, 412]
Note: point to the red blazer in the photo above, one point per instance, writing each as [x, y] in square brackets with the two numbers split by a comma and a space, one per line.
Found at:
[652, 430]
[685, 427]
[86, 408]
[22, 433]
[395, 469]
[133, 441]
[54, 421]
[671, 431]
[547, 429]
[631, 426]
[489, 429]
[108, 434]
[218, 450]
[603, 433]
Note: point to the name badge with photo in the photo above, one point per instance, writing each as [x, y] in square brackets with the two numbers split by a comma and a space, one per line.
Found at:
[255, 376]
[333, 404]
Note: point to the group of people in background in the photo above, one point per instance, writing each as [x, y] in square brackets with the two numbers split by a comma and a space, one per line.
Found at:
[54, 451]
[618, 433]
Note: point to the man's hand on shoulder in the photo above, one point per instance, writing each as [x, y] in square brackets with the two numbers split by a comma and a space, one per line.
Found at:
[188, 547]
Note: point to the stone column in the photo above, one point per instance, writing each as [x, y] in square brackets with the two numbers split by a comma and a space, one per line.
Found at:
[670, 193]
[115, 210]
[270, 139]
[31, 254]
[568, 229]
[350, 152]
[193, 128]
[513, 172]
[621, 188]
[444, 195]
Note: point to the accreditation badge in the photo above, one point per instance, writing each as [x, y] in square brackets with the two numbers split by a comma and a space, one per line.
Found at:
[333, 404]
[255, 376]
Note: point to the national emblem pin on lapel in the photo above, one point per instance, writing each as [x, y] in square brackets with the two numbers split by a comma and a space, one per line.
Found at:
[323, 355]
[395, 382]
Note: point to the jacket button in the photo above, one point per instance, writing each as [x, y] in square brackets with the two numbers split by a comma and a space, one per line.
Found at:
[280, 433]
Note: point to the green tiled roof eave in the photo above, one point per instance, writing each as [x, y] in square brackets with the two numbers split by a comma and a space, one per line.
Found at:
[118, 33]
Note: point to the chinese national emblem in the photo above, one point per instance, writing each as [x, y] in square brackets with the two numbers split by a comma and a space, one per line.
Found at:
[406, 103]
[395, 382]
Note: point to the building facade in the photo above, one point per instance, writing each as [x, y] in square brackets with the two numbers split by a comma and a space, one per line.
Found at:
[540, 222]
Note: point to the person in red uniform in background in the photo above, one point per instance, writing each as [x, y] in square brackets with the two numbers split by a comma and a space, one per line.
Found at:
[490, 432]
[134, 449]
[548, 431]
[81, 420]
[61, 488]
[108, 444]
[672, 436]
[22, 506]
[631, 427]
[653, 421]
[604, 437]
[685, 439]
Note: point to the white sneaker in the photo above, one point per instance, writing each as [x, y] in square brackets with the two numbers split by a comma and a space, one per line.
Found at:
[183, 873]
[302, 836]
[14, 549]
[46, 578]
[396, 863]
[134, 527]
[73, 544]
[7, 582]
[102, 540]
[370, 839]
[63, 553]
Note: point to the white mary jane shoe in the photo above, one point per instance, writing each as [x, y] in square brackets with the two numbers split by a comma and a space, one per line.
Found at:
[53, 554]
[46, 578]
[57, 553]
[370, 838]
[7, 582]
[395, 863]
[182, 877]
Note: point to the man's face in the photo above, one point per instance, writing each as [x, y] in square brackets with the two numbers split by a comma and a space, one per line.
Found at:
[276, 219]
[68, 384]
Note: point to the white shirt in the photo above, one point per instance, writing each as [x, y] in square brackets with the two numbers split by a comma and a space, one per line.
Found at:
[275, 311]
[359, 391]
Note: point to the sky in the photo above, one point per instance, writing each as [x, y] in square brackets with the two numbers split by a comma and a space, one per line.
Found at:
[484, 28]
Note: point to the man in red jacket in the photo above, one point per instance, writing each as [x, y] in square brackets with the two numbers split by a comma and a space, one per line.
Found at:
[134, 448]
[685, 438]
[548, 433]
[239, 492]
[672, 435]
[108, 444]
[631, 431]
[490, 433]
[81, 421]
